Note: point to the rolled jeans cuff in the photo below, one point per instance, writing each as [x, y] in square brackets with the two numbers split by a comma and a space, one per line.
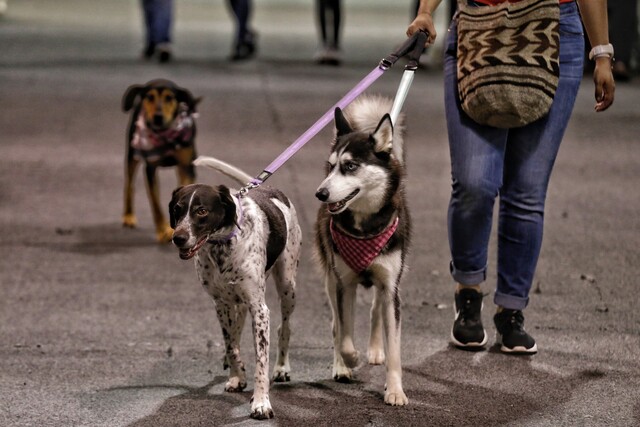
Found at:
[510, 302]
[468, 278]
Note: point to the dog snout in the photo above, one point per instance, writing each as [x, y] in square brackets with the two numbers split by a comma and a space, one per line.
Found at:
[322, 194]
[180, 238]
[158, 120]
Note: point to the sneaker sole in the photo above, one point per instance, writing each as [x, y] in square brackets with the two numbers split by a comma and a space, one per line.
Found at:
[471, 345]
[517, 349]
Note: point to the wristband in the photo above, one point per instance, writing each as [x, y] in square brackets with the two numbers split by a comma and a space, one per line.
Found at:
[601, 50]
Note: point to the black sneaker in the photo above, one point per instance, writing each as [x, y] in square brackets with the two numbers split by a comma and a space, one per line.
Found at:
[511, 335]
[467, 331]
[149, 51]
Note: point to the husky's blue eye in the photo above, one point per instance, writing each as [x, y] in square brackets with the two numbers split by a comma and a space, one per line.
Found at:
[350, 166]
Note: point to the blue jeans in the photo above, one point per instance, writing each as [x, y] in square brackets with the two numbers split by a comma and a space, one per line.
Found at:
[157, 18]
[514, 164]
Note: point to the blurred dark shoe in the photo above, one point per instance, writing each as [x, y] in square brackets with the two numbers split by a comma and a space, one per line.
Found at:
[328, 55]
[148, 52]
[245, 48]
[164, 53]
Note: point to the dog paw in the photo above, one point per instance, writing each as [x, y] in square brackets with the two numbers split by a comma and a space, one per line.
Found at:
[281, 376]
[376, 356]
[164, 235]
[350, 358]
[129, 221]
[235, 385]
[342, 374]
[261, 409]
[395, 397]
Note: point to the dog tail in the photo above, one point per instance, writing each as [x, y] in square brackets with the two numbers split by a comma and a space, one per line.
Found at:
[225, 168]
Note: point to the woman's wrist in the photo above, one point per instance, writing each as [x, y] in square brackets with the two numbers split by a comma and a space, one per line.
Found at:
[602, 50]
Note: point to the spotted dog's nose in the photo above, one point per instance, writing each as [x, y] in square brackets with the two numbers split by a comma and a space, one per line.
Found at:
[180, 239]
[322, 194]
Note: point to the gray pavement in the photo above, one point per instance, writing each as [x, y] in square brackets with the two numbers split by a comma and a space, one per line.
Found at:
[101, 326]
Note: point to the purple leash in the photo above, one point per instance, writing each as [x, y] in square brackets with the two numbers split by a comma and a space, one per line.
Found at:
[415, 44]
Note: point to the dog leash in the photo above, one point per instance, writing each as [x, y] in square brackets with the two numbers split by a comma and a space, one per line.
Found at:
[414, 46]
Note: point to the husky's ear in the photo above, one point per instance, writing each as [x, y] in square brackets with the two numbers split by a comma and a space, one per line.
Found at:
[383, 135]
[342, 125]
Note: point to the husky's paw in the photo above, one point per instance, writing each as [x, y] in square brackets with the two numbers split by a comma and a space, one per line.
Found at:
[376, 356]
[350, 358]
[281, 375]
[395, 397]
[342, 374]
[235, 384]
[261, 409]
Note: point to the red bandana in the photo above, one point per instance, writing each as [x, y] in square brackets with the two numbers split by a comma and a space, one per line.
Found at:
[360, 253]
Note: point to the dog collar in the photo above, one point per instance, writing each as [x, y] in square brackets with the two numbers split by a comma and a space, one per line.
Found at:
[236, 227]
[359, 253]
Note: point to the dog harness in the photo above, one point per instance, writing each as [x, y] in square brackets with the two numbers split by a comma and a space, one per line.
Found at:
[357, 252]
[153, 146]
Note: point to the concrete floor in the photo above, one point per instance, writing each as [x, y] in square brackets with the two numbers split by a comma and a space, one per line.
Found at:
[101, 326]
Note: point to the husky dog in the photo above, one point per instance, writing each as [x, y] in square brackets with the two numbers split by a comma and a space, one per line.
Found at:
[362, 235]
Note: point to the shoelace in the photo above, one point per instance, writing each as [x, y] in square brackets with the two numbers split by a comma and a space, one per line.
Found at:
[516, 318]
[465, 310]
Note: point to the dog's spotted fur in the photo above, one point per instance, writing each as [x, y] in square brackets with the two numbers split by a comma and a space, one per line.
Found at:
[237, 243]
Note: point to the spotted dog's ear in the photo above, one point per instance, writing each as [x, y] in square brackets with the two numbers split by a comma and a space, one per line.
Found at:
[130, 96]
[342, 125]
[226, 200]
[172, 205]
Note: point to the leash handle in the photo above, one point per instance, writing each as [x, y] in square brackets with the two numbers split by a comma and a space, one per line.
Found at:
[415, 44]
[418, 49]
[409, 71]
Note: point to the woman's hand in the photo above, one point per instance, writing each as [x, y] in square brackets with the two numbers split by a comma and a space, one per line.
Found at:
[605, 86]
[424, 22]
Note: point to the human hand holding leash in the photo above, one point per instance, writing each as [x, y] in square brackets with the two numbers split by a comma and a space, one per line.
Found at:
[424, 21]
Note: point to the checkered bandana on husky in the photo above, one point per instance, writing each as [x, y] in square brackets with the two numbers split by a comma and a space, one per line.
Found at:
[359, 253]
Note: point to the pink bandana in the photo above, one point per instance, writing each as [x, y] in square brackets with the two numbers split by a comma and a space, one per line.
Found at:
[360, 253]
[153, 146]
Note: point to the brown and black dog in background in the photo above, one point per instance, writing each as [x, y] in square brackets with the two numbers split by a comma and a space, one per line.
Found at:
[161, 133]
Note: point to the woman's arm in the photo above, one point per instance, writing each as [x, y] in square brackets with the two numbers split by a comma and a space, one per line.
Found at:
[595, 20]
[424, 20]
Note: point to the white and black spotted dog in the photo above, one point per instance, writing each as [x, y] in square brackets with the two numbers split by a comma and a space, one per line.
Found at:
[362, 235]
[237, 243]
